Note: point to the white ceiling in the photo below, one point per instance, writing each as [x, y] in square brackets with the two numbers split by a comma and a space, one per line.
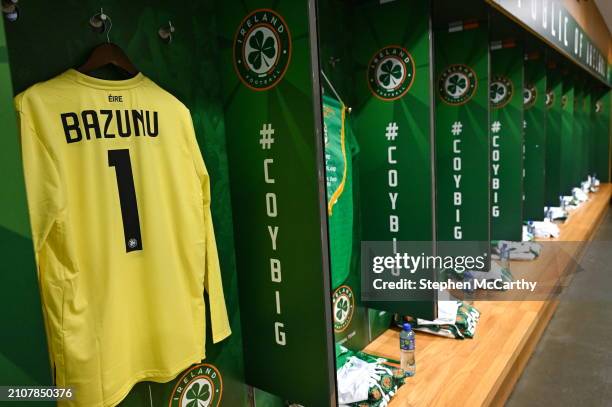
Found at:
[605, 7]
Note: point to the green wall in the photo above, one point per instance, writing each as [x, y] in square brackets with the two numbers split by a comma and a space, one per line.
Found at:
[23, 358]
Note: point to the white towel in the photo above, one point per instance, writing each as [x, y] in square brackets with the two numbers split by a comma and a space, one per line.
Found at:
[546, 229]
[447, 314]
[527, 236]
[557, 212]
[579, 195]
[353, 383]
[356, 377]
[516, 248]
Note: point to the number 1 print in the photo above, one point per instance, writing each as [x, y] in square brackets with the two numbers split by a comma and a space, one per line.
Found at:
[120, 159]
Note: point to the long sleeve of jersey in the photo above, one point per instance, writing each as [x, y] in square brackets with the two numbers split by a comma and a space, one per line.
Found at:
[212, 275]
[42, 182]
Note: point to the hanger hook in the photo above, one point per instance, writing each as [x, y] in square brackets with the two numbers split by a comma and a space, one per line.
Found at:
[10, 10]
[102, 23]
[165, 33]
[104, 18]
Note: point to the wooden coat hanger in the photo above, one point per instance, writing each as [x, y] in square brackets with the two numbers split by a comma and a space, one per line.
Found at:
[107, 53]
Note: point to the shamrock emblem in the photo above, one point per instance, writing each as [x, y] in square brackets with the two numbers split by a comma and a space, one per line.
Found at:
[456, 85]
[342, 308]
[498, 91]
[263, 51]
[391, 74]
[198, 396]
[526, 96]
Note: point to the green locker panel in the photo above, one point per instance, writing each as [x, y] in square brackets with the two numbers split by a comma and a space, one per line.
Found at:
[587, 131]
[392, 109]
[506, 134]
[554, 93]
[273, 122]
[462, 135]
[535, 133]
[578, 136]
[568, 136]
[600, 115]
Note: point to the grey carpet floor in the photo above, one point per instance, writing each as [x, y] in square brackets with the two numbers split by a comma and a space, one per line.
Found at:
[572, 364]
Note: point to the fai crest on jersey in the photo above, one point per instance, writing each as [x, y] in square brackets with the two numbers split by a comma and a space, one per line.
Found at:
[530, 95]
[457, 84]
[344, 305]
[500, 91]
[550, 99]
[390, 72]
[199, 386]
[262, 49]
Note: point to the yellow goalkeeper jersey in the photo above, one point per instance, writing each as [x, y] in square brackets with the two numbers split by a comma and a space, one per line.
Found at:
[119, 203]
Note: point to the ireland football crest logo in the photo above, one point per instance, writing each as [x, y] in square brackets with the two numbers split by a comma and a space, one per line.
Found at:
[344, 304]
[550, 99]
[390, 73]
[457, 84]
[199, 386]
[500, 91]
[530, 94]
[262, 49]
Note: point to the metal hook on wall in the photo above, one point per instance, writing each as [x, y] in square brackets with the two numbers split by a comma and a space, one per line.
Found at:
[10, 10]
[101, 22]
[333, 61]
[165, 33]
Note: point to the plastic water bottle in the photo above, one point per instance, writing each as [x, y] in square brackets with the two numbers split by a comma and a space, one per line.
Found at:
[530, 229]
[504, 257]
[407, 361]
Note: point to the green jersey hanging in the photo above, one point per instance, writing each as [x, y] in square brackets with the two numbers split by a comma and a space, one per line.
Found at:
[340, 147]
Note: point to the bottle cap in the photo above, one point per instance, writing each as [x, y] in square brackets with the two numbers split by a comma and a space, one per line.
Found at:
[407, 326]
